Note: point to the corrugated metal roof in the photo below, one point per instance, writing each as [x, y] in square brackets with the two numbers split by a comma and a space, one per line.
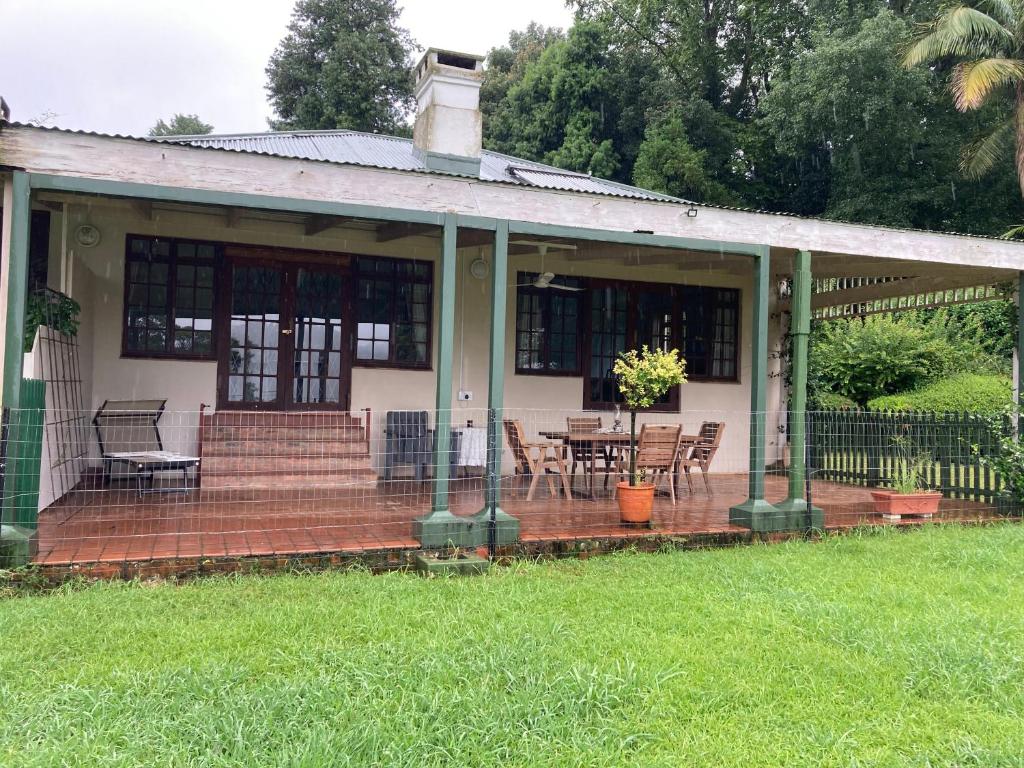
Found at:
[391, 152]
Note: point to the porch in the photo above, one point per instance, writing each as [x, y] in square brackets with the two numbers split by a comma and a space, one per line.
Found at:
[113, 526]
[226, 303]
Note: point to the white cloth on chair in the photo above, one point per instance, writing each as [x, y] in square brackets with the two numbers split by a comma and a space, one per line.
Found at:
[473, 447]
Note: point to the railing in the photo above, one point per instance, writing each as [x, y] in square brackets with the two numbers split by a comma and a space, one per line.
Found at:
[243, 484]
[858, 447]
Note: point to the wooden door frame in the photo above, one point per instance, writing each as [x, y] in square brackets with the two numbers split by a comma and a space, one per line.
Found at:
[289, 262]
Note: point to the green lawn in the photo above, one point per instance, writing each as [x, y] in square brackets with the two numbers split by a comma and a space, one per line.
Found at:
[875, 650]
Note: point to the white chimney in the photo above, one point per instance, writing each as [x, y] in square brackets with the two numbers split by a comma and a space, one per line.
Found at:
[448, 133]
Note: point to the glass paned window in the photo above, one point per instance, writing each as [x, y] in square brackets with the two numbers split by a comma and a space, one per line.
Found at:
[702, 323]
[609, 326]
[169, 298]
[393, 312]
[548, 326]
[710, 332]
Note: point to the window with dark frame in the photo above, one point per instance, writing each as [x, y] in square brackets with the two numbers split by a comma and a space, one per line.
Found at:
[548, 325]
[710, 332]
[169, 298]
[702, 322]
[393, 312]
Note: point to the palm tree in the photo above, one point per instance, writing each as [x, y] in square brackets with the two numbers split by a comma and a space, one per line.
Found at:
[987, 37]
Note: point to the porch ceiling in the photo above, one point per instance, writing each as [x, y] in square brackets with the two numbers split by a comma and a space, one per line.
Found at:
[845, 284]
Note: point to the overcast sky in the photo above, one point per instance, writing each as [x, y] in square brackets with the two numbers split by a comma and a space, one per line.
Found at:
[116, 66]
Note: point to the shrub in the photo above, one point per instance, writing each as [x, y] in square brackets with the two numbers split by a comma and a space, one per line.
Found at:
[880, 355]
[830, 401]
[963, 393]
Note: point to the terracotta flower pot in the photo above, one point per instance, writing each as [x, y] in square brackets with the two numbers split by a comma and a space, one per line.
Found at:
[893, 505]
[635, 502]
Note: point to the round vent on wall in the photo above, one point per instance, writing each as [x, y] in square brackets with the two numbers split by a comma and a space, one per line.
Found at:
[87, 235]
[479, 269]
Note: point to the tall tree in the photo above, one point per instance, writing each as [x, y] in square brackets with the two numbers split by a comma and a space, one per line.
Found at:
[343, 64]
[863, 139]
[181, 125]
[564, 109]
[987, 37]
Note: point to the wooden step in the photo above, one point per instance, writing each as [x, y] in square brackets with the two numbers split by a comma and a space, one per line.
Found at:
[271, 448]
[284, 481]
[264, 465]
[264, 434]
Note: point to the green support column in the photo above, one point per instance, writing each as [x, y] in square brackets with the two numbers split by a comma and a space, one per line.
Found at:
[506, 527]
[17, 288]
[17, 541]
[1020, 353]
[441, 528]
[756, 513]
[793, 512]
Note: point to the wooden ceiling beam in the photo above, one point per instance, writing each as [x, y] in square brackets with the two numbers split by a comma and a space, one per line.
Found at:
[398, 230]
[143, 208]
[472, 238]
[318, 223]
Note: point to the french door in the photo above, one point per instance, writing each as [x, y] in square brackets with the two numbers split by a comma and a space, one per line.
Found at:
[285, 336]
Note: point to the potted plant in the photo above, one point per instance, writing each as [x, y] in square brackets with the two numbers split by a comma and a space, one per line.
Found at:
[644, 377]
[907, 494]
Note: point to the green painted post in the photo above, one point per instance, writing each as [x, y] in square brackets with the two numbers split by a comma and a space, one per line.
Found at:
[440, 528]
[17, 288]
[506, 527]
[17, 540]
[1020, 353]
[793, 511]
[756, 513]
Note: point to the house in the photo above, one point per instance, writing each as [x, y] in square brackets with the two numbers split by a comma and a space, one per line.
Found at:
[282, 292]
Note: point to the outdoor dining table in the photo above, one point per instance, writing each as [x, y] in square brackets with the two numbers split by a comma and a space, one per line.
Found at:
[615, 440]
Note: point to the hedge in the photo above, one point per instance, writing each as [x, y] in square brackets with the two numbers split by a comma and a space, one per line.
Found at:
[963, 393]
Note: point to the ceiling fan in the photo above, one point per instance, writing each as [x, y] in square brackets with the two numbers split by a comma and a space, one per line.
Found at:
[544, 279]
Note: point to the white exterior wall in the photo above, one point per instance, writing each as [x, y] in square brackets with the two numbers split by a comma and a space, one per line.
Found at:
[97, 282]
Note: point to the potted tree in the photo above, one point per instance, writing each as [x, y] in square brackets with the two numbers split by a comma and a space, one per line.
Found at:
[644, 377]
[908, 494]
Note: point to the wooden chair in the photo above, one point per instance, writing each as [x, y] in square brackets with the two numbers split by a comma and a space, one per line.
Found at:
[657, 451]
[537, 459]
[702, 452]
[588, 453]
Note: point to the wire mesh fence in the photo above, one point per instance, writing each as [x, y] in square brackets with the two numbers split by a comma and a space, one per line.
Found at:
[155, 484]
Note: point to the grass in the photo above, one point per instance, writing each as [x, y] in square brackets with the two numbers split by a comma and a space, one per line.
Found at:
[883, 649]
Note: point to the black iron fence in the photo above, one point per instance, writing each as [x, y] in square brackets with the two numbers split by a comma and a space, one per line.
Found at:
[867, 447]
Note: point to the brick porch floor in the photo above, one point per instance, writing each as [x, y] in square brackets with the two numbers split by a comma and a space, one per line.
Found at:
[113, 525]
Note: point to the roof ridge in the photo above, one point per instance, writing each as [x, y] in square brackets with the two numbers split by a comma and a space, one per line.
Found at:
[263, 134]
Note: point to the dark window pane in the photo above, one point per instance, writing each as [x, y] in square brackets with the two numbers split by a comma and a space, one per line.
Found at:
[161, 292]
[547, 323]
[393, 311]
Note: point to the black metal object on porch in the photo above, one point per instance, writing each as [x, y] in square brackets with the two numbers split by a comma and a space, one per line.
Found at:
[127, 433]
[406, 441]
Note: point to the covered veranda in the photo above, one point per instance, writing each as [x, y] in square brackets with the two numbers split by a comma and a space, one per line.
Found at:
[864, 265]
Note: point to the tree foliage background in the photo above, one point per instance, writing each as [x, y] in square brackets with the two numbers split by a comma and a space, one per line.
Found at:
[181, 125]
[772, 104]
[800, 106]
[343, 64]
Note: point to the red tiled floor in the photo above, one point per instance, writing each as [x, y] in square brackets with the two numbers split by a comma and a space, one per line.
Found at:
[114, 525]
